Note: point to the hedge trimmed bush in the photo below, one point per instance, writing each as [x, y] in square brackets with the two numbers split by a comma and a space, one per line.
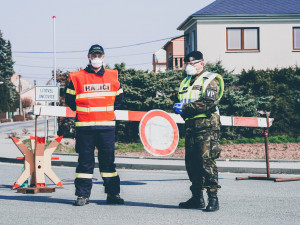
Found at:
[18, 118]
[5, 120]
[245, 94]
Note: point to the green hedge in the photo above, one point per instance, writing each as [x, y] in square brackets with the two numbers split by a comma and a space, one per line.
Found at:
[244, 95]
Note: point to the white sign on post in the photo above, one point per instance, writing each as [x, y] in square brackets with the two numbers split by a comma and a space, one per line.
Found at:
[47, 93]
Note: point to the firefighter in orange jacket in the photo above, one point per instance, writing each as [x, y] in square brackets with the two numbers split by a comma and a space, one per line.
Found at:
[94, 93]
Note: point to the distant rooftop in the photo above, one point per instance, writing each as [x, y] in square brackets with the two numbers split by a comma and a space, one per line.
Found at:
[246, 8]
[250, 7]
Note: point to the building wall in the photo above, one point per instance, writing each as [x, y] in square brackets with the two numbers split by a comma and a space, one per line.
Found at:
[276, 46]
[159, 61]
[24, 83]
[175, 49]
[160, 68]
[190, 44]
[178, 47]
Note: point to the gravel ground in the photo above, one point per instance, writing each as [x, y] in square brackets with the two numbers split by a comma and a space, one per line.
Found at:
[242, 151]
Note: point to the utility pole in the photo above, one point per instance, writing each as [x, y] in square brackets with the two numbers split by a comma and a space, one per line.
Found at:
[54, 70]
[20, 88]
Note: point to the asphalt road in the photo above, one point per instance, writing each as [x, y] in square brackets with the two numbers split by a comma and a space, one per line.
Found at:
[7, 128]
[151, 198]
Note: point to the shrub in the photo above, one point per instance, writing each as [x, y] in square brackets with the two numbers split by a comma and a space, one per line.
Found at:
[2, 115]
[18, 118]
[25, 131]
[181, 143]
[66, 127]
[29, 117]
[5, 120]
[12, 134]
[274, 90]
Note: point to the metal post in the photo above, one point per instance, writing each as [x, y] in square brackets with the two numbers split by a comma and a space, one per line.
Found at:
[20, 109]
[33, 178]
[267, 147]
[46, 124]
[266, 133]
[54, 70]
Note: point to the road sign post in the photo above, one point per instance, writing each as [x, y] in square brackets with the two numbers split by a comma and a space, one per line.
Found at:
[47, 94]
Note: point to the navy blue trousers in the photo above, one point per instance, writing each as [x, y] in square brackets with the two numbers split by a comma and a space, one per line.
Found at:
[86, 141]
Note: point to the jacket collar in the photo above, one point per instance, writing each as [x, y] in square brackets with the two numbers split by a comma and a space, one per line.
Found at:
[197, 76]
[89, 69]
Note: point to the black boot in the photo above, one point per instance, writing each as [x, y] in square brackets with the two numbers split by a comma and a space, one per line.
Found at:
[81, 201]
[114, 199]
[195, 202]
[213, 202]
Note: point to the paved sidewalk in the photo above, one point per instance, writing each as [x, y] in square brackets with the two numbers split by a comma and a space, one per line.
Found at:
[9, 152]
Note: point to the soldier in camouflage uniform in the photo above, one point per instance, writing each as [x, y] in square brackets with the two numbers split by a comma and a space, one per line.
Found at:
[199, 95]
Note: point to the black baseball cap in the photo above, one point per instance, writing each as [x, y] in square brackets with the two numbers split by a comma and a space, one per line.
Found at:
[194, 55]
[96, 49]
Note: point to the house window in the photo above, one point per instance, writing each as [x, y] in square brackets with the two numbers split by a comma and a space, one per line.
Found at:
[242, 39]
[186, 39]
[192, 42]
[176, 62]
[296, 38]
[170, 61]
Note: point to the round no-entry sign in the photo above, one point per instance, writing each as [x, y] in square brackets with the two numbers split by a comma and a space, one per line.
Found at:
[159, 133]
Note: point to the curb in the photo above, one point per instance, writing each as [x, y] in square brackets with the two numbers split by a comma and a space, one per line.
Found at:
[170, 167]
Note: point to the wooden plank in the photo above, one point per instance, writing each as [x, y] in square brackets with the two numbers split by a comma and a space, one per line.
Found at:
[34, 190]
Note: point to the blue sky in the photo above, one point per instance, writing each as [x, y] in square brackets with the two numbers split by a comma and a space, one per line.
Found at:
[79, 24]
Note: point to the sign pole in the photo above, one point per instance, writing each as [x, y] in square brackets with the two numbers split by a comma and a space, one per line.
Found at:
[266, 147]
[54, 70]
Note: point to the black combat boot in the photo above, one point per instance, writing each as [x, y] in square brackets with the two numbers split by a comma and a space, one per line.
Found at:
[114, 199]
[81, 201]
[213, 202]
[195, 202]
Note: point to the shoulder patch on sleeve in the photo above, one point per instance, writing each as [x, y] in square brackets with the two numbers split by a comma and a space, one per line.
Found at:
[210, 94]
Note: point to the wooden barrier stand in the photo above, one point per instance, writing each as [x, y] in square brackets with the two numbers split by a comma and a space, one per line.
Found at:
[37, 162]
[268, 177]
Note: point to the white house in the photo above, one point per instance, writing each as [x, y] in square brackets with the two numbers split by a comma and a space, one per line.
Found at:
[246, 33]
[159, 61]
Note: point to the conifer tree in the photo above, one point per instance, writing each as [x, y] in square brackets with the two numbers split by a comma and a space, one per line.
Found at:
[8, 95]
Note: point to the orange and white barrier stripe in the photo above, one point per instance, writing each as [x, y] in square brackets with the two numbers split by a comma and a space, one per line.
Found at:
[126, 115]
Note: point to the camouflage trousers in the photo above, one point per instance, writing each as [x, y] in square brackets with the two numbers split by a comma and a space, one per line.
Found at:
[201, 149]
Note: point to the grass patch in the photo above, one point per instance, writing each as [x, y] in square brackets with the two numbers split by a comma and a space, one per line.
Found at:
[60, 148]
[27, 143]
[132, 147]
[271, 139]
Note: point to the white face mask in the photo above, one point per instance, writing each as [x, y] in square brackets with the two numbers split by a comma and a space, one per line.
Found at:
[190, 70]
[96, 62]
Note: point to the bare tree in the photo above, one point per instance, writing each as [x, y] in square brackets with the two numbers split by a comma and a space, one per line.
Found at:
[27, 102]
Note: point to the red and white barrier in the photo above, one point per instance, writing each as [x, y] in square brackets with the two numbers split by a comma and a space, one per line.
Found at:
[125, 115]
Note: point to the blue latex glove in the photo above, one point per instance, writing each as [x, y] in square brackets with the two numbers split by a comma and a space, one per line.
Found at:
[178, 108]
